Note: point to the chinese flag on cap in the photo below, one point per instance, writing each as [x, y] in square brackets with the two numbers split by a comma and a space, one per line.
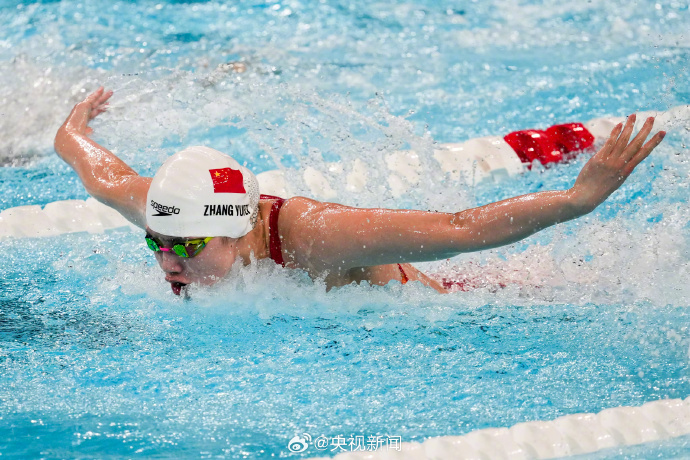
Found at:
[227, 180]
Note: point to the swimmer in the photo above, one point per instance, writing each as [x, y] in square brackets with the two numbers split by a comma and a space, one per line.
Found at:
[202, 212]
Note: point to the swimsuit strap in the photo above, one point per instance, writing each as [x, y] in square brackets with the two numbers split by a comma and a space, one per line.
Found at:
[273, 236]
[404, 279]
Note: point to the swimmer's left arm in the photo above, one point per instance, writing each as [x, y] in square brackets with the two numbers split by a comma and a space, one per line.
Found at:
[326, 236]
[340, 237]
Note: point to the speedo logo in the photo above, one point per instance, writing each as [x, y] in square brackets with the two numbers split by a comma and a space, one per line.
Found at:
[226, 210]
[164, 210]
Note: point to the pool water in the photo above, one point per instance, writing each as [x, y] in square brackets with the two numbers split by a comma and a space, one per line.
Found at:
[98, 358]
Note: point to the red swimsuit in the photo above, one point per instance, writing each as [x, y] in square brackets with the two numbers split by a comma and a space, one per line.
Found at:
[273, 237]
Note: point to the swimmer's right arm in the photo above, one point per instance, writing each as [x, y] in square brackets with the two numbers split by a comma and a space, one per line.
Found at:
[105, 177]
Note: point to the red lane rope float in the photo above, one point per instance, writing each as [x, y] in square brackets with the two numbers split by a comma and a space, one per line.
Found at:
[549, 146]
[533, 144]
[571, 137]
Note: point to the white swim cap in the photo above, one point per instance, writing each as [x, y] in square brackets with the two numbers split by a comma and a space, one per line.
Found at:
[202, 192]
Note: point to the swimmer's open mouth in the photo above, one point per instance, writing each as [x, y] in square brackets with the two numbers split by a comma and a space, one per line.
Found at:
[176, 287]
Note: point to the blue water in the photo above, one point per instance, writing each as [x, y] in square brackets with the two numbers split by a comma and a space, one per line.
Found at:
[98, 358]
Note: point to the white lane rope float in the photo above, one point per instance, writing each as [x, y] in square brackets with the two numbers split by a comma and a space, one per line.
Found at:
[574, 434]
[484, 159]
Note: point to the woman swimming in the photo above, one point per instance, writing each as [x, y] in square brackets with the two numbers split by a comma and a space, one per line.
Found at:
[202, 211]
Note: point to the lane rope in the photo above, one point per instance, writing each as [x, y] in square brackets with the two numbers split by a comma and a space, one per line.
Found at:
[574, 434]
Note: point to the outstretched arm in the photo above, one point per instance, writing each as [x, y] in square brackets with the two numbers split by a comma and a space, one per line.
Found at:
[339, 237]
[105, 177]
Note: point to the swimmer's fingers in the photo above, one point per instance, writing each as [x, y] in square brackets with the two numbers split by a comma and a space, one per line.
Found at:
[644, 151]
[103, 100]
[99, 102]
[611, 141]
[94, 99]
[636, 144]
[622, 141]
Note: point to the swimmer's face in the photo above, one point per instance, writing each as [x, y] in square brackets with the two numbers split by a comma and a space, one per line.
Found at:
[208, 267]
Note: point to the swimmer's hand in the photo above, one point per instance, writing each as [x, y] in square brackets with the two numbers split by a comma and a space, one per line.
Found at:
[88, 109]
[606, 171]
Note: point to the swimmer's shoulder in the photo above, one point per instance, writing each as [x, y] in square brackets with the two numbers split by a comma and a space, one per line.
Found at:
[300, 225]
[298, 211]
[301, 211]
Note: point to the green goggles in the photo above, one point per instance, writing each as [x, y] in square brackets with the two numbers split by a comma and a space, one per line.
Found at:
[189, 248]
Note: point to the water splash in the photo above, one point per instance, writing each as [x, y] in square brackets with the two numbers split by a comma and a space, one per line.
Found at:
[98, 355]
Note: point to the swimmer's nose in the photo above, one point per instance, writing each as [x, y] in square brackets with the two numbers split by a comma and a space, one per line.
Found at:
[170, 263]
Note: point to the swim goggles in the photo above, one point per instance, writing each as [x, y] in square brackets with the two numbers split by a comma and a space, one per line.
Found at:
[189, 248]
